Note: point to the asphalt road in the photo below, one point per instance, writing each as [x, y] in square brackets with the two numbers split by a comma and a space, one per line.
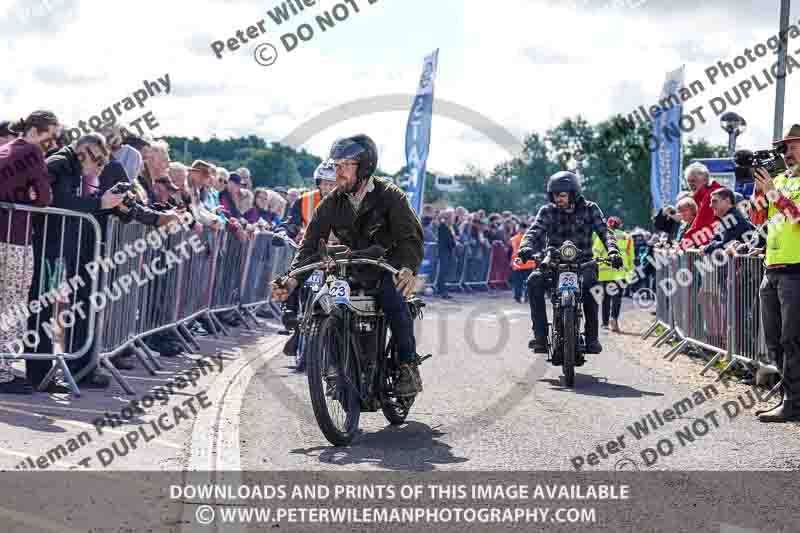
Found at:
[491, 404]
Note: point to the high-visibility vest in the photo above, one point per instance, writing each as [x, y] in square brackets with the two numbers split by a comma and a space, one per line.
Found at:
[783, 237]
[515, 242]
[309, 202]
[626, 251]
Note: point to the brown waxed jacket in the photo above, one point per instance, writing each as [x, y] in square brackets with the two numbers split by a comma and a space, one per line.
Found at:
[385, 217]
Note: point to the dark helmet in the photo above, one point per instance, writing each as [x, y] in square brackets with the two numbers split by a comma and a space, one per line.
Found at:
[362, 149]
[563, 181]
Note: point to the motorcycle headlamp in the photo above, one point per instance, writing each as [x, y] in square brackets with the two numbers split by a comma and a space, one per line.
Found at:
[569, 251]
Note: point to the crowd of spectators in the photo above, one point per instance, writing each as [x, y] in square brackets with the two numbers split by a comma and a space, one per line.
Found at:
[108, 171]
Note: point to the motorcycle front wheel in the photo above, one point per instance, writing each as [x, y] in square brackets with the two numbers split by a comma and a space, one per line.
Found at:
[569, 346]
[332, 382]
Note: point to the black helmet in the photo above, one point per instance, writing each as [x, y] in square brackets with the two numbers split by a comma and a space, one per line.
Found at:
[362, 149]
[563, 181]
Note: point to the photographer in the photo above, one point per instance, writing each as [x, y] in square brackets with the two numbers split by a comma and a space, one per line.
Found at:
[84, 180]
[780, 288]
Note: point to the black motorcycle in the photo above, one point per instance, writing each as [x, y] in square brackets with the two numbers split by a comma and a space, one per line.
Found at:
[351, 358]
[566, 344]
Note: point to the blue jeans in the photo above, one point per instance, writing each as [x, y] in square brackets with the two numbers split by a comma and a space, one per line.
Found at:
[399, 318]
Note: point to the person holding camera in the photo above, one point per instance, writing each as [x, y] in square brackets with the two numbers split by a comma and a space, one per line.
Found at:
[780, 288]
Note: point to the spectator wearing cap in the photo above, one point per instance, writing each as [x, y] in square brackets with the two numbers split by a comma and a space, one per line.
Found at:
[199, 184]
[23, 180]
[231, 198]
[6, 135]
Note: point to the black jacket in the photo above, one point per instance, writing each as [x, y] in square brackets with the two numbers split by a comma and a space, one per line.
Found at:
[447, 241]
[385, 218]
[553, 226]
[733, 226]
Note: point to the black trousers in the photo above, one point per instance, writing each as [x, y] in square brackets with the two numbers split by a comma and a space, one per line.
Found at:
[611, 304]
[74, 336]
[780, 313]
[444, 273]
[538, 284]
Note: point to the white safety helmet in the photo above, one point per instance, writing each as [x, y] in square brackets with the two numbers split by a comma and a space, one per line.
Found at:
[326, 171]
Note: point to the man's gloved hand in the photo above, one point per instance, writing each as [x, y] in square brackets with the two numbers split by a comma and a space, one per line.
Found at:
[615, 259]
[281, 288]
[525, 254]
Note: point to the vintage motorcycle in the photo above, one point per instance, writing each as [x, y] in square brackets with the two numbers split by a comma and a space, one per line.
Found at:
[566, 343]
[352, 360]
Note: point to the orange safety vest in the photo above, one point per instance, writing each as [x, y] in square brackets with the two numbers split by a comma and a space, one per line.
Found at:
[310, 201]
[515, 241]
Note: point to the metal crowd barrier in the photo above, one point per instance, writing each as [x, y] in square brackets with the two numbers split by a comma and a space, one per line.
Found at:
[476, 266]
[499, 266]
[713, 306]
[45, 310]
[175, 280]
[429, 270]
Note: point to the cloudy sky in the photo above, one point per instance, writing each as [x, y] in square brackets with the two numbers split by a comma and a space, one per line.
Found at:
[522, 65]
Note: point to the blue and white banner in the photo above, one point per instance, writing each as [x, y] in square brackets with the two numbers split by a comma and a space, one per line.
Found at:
[418, 133]
[666, 166]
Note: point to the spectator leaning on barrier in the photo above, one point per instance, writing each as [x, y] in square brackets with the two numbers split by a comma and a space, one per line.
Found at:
[247, 182]
[612, 279]
[668, 220]
[23, 180]
[199, 182]
[780, 289]
[734, 226]
[687, 211]
[519, 271]
[701, 185]
[247, 199]
[446, 239]
[6, 135]
[129, 157]
[260, 211]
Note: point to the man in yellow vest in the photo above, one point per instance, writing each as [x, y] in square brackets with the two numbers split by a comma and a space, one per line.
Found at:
[609, 276]
[780, 288]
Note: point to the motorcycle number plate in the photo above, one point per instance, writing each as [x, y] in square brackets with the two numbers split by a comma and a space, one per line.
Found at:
[568, 281]
[315, 279]
[340, 291]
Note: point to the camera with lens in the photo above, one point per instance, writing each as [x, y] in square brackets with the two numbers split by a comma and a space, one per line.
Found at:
[124, 188]
[746, 161]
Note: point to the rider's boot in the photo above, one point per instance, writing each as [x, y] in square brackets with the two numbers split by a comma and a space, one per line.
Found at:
[290, 348]
[409, 382]
[538, 345]
[593, 346]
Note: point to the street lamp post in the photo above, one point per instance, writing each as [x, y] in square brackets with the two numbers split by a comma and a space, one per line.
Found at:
[734, 125]
[780, 86]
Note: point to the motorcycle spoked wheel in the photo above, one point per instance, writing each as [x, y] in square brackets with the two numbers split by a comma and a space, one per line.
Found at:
[569, 345]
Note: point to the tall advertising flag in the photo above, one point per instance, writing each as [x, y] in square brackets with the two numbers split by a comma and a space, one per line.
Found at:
[666, 161]
[418, 133]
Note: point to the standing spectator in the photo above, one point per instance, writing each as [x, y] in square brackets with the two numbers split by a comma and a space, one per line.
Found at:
[129, 157]
[23, 180]
[609, 276]
[519, 270]
[199, 183]
[668, 220]
[733, 223]
[247, 182]
[231, 198]
[446, 248]
[701, 185]
[780, 305]
[247, 199]
[156, 165]
[179, 175]
[260, 211]
[687, 210]
[6, 135]
[290, 196]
